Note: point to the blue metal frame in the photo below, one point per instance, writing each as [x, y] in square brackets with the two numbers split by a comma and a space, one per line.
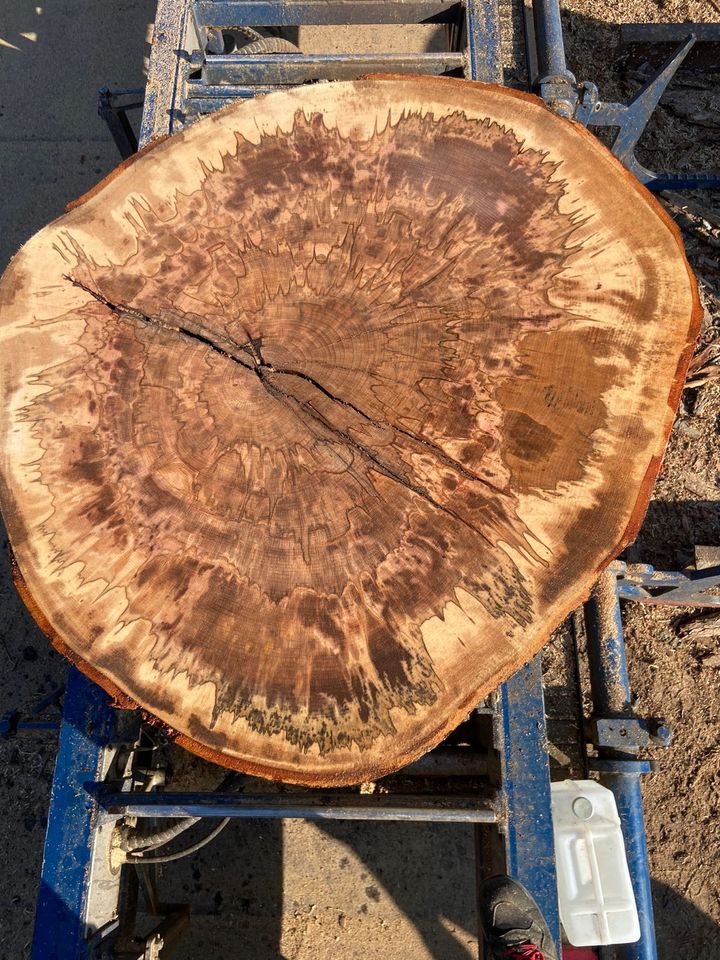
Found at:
[483, 39]
[59, 919]
[524, 806]
[581, 102]
[549, 39]
[172, 80]
[529, 846]
[681, 588]
[165, 70]
[210, 78]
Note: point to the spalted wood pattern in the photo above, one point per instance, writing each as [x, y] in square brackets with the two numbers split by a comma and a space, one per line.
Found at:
[319, 416]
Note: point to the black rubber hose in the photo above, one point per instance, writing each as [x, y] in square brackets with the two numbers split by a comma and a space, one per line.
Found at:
[140, 857]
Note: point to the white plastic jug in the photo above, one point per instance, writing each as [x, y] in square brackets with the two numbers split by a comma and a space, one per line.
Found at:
[597, 904]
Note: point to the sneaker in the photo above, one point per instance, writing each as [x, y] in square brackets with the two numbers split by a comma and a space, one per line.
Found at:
[511, 922]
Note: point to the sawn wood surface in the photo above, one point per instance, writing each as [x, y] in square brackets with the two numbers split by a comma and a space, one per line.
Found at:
[319, 416]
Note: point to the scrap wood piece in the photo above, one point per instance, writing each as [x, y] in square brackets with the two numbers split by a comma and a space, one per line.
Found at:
[322, 414]
[704, 366]
[699, 626]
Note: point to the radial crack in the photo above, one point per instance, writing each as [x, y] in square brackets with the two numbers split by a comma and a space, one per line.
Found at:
[437, 450]
[381, 467]
[123, 310]
[262, 369]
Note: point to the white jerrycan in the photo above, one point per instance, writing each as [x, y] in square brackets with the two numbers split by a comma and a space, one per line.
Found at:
[597, 904]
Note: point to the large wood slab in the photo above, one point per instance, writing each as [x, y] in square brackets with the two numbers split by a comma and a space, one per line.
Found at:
[320, 415]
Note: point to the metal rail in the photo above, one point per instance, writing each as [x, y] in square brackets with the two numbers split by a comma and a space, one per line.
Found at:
[313, 806]
[669, 32]
[183, 85]
[295, 68]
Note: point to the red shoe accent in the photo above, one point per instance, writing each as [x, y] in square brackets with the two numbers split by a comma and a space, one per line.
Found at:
[523, 951]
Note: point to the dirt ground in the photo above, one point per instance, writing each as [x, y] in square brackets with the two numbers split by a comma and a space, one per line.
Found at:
[674, 657]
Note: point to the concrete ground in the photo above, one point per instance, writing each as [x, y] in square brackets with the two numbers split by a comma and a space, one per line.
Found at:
[264, 889]
[53, 147]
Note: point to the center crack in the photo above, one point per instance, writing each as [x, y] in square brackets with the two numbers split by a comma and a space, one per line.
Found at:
[261, 369]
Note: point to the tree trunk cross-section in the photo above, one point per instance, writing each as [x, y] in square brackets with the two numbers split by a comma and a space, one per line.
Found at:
[320, 415]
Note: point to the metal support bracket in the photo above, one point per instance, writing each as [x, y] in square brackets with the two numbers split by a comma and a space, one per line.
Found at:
[685, 588]
[529, 845]
[619, 767]
[15, 721]
[560, 93]
[628, 733]
[631, 120]
[113, 107]
[580, 101]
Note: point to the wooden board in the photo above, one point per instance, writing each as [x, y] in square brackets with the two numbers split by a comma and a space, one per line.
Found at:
[319, 416]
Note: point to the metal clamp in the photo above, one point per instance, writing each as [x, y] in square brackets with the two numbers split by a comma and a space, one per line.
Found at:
[631, 120]
[560, 93]
[629, 733]
[684, 588]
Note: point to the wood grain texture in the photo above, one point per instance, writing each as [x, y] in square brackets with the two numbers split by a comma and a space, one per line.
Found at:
[319, 416]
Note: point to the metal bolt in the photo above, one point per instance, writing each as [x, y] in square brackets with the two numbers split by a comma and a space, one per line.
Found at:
[582, 808]
[663, 735]
[562, 107]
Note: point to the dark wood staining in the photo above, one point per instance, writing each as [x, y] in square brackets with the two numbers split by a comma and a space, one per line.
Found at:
[293, 430]
[550, 417]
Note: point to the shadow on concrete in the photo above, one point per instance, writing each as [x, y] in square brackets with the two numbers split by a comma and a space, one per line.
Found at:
[248, 921]
[682, 930]
[427, 870]
[54, 56]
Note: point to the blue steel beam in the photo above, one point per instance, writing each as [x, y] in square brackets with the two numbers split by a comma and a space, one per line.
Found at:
[529, 844]
[165, 70]
[59, 918]
[549, 38]
[484, 42]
